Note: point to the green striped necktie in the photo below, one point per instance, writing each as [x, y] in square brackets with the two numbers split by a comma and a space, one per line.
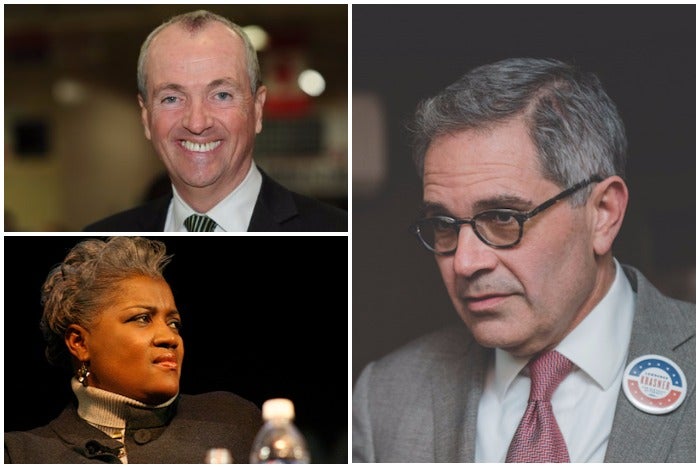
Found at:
[197, 223]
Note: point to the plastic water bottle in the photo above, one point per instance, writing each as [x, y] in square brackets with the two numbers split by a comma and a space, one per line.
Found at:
[279, 440]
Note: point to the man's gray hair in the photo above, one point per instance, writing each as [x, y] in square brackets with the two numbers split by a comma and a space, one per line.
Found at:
[193, 22]
[573, 123]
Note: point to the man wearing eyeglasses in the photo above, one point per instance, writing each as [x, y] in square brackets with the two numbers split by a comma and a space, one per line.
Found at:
[567, 355]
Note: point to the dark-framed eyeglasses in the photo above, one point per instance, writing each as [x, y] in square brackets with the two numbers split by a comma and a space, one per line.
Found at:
[499, 228]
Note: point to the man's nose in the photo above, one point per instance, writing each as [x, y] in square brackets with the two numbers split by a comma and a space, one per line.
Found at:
[197, 117]
[472, 254]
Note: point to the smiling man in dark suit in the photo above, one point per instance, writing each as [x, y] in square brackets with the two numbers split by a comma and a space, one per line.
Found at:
[201, 100]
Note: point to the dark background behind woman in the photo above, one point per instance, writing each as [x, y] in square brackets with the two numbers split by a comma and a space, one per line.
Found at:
[262, 318]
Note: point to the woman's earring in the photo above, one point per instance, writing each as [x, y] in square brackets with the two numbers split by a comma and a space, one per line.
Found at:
[83, 373]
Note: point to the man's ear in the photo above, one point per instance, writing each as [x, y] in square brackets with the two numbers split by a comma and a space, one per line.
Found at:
[260, 96]
[609, 199]
[76, 340]
[144, 117]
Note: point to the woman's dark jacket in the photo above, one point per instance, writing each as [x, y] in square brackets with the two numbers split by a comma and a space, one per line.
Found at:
[179, 434]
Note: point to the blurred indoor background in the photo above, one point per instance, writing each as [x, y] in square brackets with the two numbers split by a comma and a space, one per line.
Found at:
[75, 150]
[645, 57]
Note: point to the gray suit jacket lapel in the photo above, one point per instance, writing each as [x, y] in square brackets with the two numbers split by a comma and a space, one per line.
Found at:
[637, 436]
[456, 406]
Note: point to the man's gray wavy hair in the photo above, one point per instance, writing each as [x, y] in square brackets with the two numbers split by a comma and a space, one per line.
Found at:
[573, 123]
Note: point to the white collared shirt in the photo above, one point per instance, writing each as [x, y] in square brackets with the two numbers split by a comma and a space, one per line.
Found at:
[231, 214]
[584, 403]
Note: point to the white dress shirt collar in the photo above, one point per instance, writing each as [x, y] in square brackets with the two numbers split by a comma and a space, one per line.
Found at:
[232, 214]
[600, 357]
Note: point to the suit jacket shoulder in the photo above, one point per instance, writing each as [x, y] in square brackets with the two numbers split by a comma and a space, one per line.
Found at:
[218, 407]
[662, 326]
[149, 217]
[280, 210]
[414, 404]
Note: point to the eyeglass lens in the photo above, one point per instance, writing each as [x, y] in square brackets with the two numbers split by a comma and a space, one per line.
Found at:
[497, 228]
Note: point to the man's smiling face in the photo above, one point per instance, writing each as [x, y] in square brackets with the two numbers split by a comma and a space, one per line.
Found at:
[200, 113]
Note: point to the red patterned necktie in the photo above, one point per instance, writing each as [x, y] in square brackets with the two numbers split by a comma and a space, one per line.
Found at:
[538, 438]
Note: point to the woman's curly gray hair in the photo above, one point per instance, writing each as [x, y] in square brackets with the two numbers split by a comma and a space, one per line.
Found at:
[77, 289]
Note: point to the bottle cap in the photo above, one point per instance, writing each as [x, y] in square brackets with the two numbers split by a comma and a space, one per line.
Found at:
[278, 408]
[218, 456]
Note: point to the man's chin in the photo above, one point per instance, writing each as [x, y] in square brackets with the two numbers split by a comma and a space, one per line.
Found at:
[516, 346]
[194, 182]
[495, 335]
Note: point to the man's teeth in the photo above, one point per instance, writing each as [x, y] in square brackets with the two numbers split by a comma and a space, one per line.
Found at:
[200, 147]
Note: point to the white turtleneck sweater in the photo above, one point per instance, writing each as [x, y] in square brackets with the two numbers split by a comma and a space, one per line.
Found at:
[107, 411]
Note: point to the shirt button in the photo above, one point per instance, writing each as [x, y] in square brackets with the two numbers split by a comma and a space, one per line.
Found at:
[142, 436]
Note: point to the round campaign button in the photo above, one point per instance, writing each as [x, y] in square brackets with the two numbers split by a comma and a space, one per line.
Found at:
[654, 384]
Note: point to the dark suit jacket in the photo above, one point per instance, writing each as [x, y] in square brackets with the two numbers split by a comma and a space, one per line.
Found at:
[420, 403]
[276, 210]
[180, 435]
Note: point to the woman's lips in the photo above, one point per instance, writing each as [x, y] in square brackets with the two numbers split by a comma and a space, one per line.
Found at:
[168, 362]
[168, 365]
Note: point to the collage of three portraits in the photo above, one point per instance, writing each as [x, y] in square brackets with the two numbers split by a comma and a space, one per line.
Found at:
[383, 213]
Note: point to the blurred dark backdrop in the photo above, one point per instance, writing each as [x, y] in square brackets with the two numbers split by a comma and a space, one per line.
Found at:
[263, 317]
[645, 57]
[75, 150]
